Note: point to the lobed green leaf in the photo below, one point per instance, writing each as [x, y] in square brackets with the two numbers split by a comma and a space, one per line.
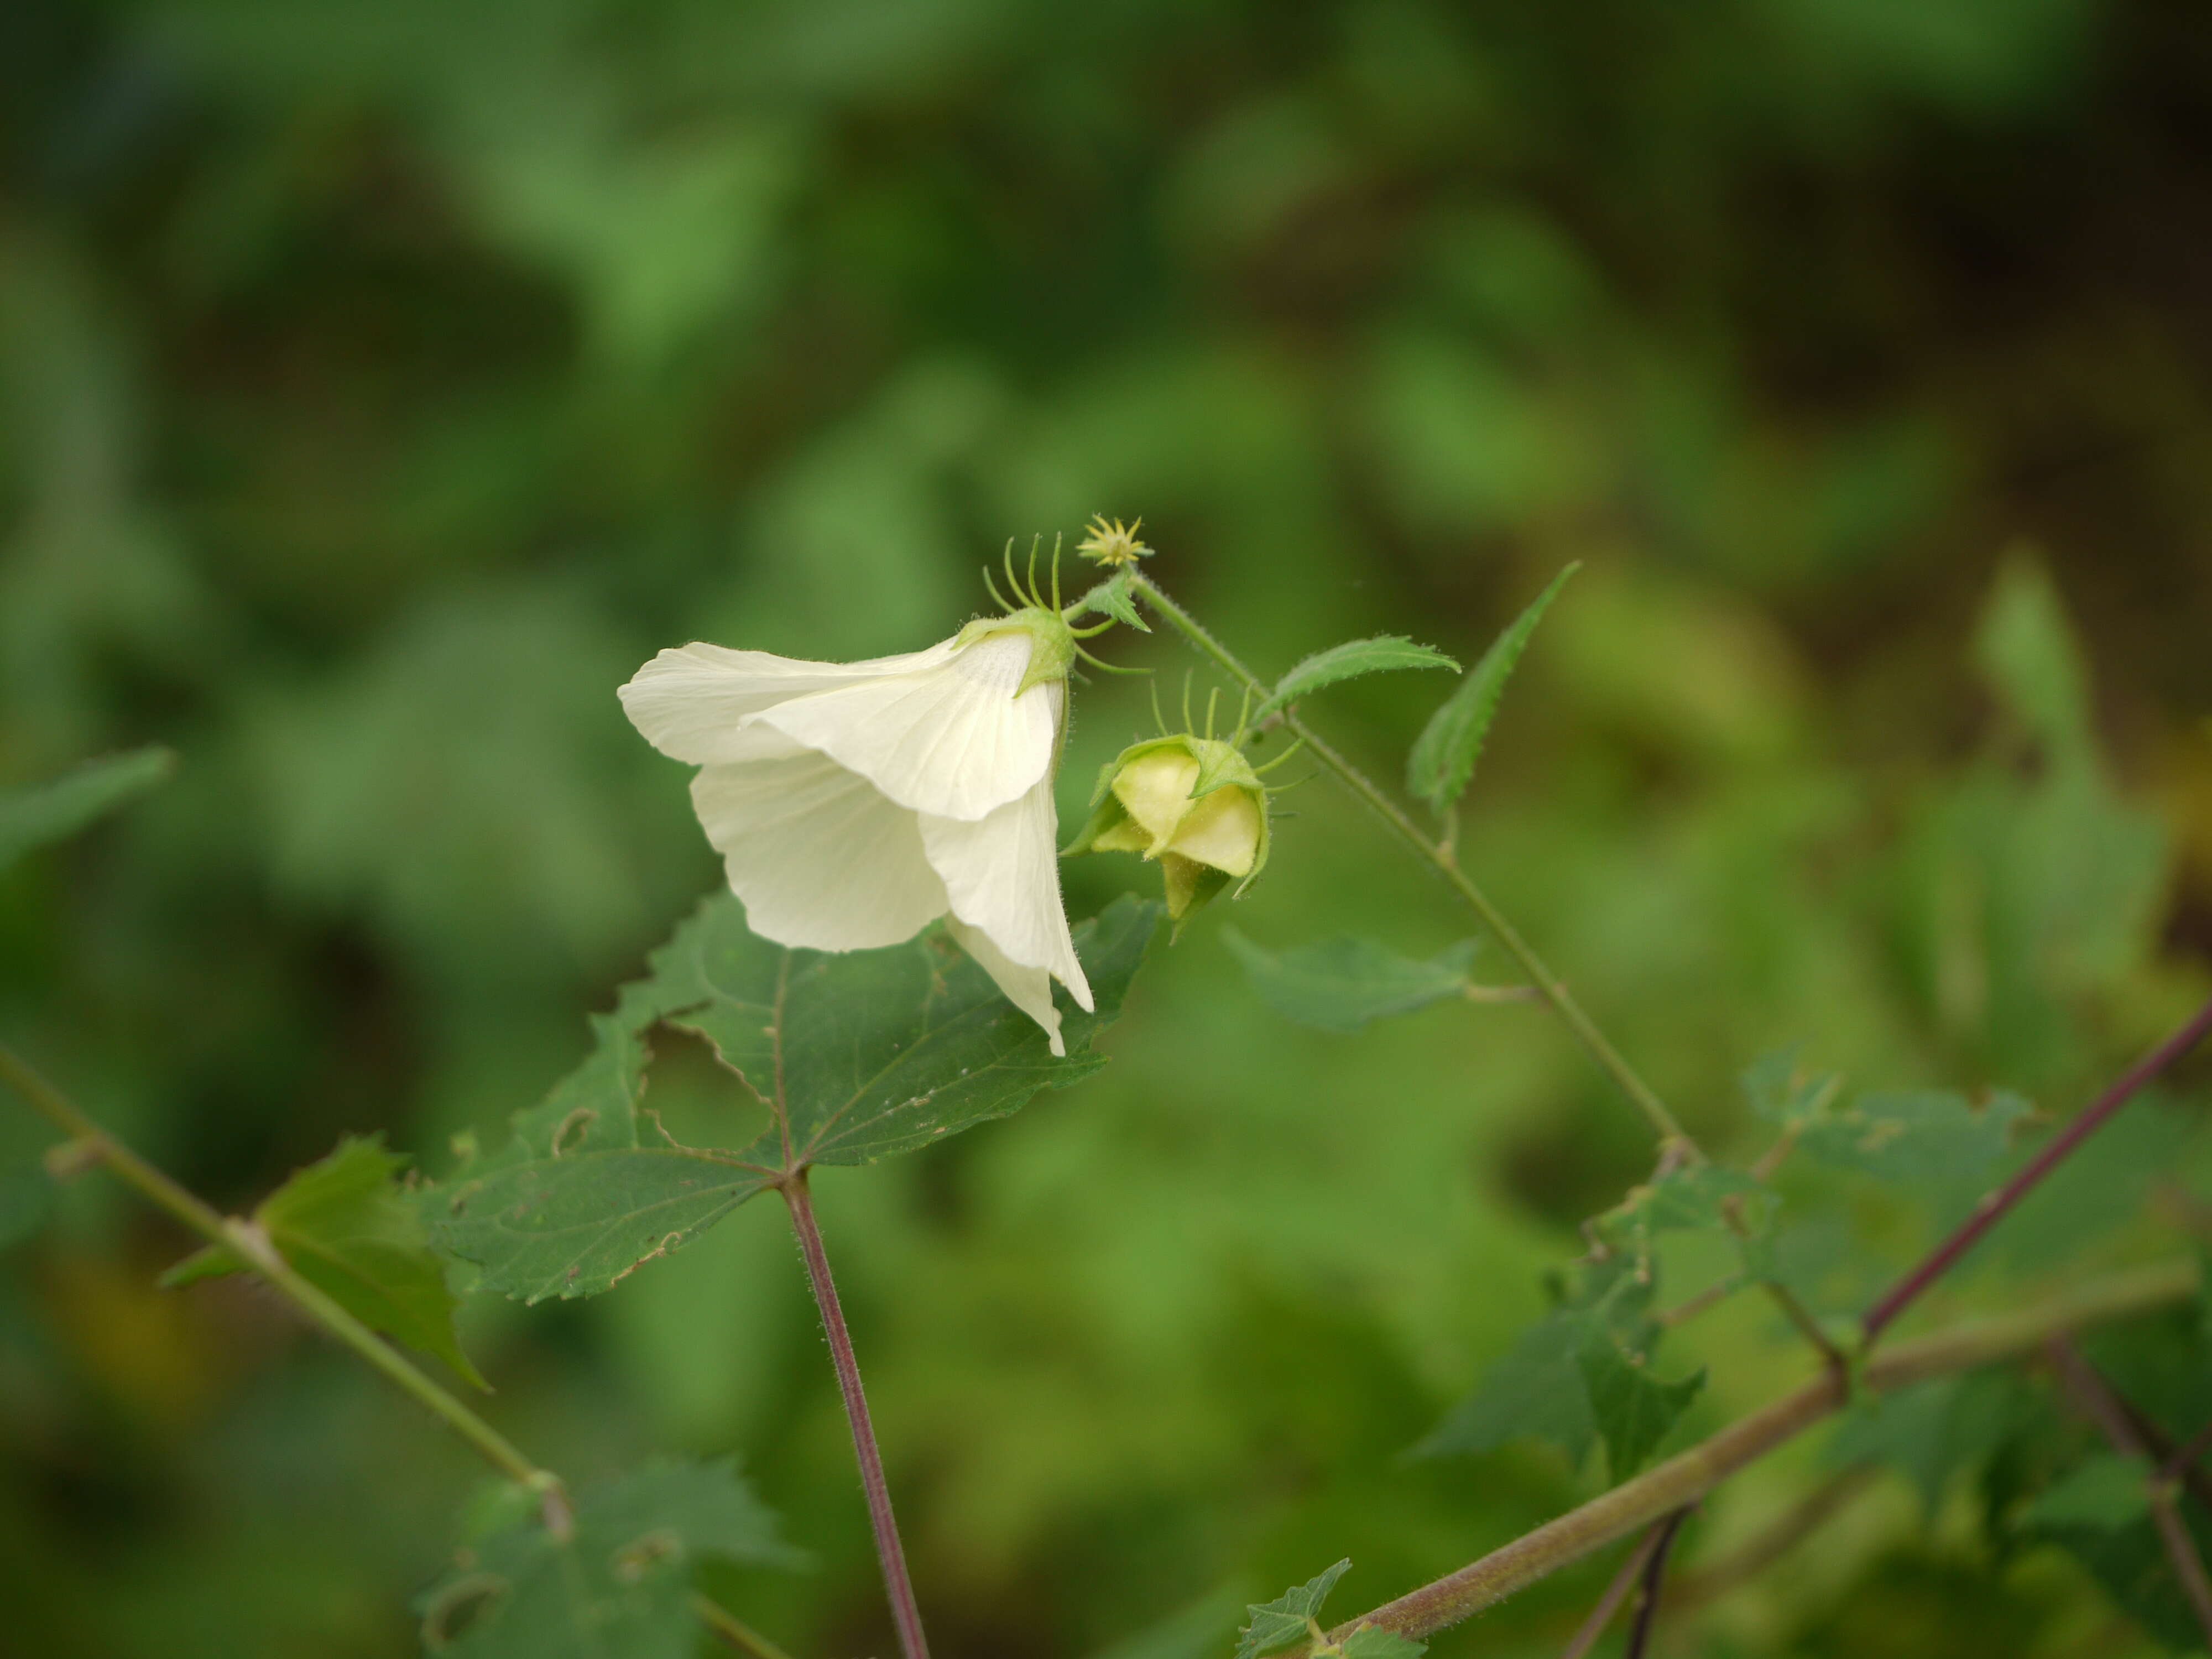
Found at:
[1112, 597]
[1341, 984]
[345, 1226]
[618, 1587]
[38, 813]
[1285, 1619]
[1914, 1136]
[1633, 1410]
[2105, 1491]
[1535, 1392]
[859, 1055]
[1442, 762]
[1383, 653]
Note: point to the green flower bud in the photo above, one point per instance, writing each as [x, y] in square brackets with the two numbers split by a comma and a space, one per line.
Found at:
[1192, 804]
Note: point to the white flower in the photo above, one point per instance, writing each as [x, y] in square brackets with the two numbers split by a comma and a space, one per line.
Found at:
[855, 803]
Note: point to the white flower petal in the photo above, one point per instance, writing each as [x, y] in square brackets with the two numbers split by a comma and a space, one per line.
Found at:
[1001, 874]
[1029, 989]
[690, 701]
[820, 857]
[951, 738]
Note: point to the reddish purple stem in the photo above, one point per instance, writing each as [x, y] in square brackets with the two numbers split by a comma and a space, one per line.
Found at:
[900, 1589]
[1993, 1208]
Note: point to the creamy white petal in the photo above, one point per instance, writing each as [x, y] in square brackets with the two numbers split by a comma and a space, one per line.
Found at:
[691, 700]
[951, 738]
[820, 857]
[1001, 874]
[1029, 989]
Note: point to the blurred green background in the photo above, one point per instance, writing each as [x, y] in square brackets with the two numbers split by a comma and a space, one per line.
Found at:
[379, 383]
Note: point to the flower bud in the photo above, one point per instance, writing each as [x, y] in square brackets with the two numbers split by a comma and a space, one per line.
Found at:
[1193, 804]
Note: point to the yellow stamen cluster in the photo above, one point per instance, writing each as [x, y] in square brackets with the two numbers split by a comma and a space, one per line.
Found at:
[1110, 544]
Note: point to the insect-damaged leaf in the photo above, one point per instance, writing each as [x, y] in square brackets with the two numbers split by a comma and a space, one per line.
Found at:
[859, 1055]
[345, 1226]
[618, 1587]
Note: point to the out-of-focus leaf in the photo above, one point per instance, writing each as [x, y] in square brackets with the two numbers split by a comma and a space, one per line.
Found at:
[860, 1055]
[1917, 1136]
[1341, 984]
[2027, 650]
[1444, 755]
[1632, 1409]
[24, 1193]
[1383, 653]
[38, 813]
[2105, 1491]
[1782, 1092]
[1278, 1623]
[342, 1224]
[1936, 1432]
[1534, 1392]
[1684, 1199]
[619, 1587]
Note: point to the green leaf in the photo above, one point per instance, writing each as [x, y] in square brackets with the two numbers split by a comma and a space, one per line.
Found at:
[1382, 654]
[861, 1056]
[24, 1194]
[1924, 1135]
[2027, 648]
[619, 1586]
[1535, 1392]
[1112, 597]
[1373, 1642]
[1633, 1410]
[2105, 1491]
[1343, 983]
[1279, 1623]
[344, 1226]
[1781, 1092]
[1936, 1432]
[1690, 1199]
[1442, 762]
[41, 812]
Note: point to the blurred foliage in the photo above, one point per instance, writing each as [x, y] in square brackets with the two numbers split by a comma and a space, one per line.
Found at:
[379, 384]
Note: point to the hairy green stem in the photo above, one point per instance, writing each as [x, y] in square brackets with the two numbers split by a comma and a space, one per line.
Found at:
[1688, 1475]
[1438, 854]
[253, 1247]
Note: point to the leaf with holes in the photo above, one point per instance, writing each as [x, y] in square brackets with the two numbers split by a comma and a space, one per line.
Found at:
[1341, 984]
[41, 812]
[1384, 654]
[620, 1585]
[1442, 762]
[1913, 1136]
[859, 1056]
[345, 1226]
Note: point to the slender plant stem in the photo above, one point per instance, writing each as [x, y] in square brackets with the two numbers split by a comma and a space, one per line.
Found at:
[2187, 1455]
[1674, 1140]
[1996, 1206]
[904, 1611]
[1792, 1528]
[732, 1629]
[1655, 1581]
[1591, 1629]
[252, 1246]
[95, 1142]
[2104, 1407]
[1688, 1475]
[1439, 854]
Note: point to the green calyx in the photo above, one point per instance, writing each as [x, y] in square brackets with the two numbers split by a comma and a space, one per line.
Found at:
[1194, 804]
[1052, 651]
